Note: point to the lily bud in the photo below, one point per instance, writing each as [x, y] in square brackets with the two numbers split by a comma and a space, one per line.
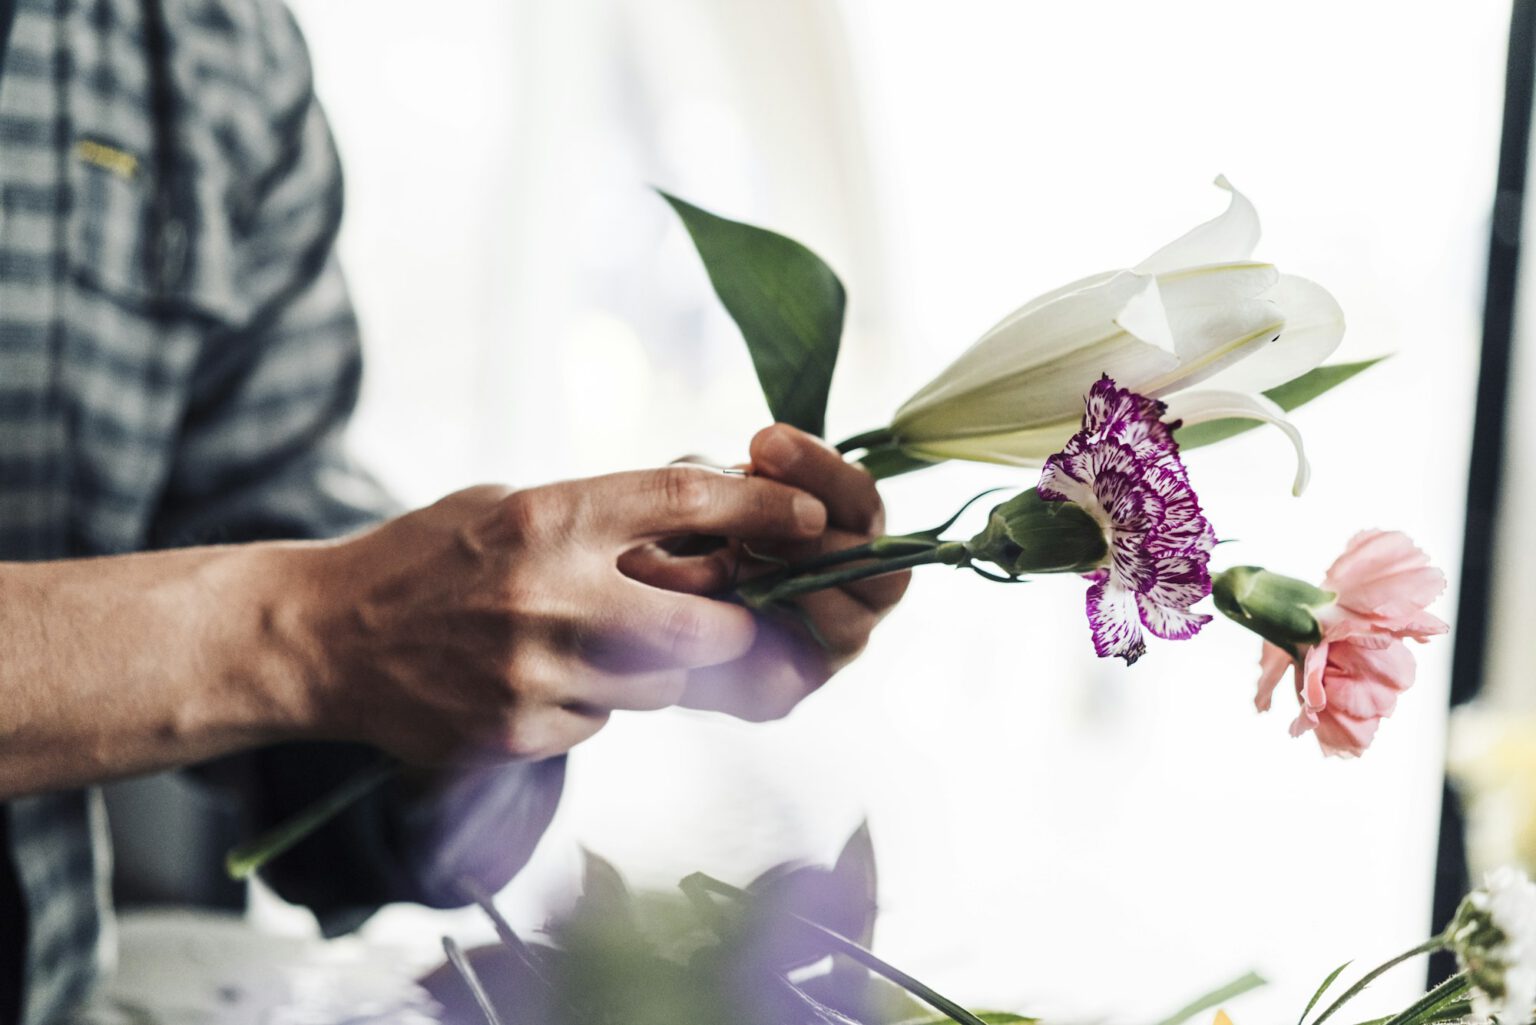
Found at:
[1198, 324]
[1027, 534]
[1282, 610]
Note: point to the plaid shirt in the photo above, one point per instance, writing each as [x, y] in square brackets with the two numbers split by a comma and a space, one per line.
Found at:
[178, 357]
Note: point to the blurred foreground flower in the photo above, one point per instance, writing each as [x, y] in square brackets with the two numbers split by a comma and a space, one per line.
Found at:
[1344, 639]
[1198, 323]
[1494, 938]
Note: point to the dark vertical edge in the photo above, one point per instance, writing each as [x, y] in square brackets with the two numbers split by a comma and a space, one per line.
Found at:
[1485, 469]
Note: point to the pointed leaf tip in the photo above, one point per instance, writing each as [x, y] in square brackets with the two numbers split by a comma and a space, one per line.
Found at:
[787, 302]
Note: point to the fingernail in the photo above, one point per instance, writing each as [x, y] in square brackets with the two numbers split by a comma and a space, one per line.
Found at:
[810, 514]
[778, 451]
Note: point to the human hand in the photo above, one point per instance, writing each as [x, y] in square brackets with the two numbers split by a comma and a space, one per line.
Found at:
[785, 662]
[496, 623]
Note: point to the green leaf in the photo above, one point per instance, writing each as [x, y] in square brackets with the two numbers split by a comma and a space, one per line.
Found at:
[1332, 976]
[1287, 396]
[1216, 997]
[788, 304]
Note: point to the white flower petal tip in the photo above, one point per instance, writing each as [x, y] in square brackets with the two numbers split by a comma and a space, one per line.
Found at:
[1202, 406]
[1230, 237]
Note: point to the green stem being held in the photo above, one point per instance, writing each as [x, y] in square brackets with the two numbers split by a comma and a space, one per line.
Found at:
[767, 591]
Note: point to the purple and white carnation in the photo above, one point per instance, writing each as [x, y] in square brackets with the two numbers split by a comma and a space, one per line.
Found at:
[1123, 468]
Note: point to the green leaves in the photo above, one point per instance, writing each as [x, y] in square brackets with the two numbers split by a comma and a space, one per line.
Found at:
[1287, 396]
[787, 302]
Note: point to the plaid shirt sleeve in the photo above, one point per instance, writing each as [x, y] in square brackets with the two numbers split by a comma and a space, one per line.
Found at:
[261, 456]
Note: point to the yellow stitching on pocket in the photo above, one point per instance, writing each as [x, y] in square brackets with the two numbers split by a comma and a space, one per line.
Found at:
[120, 162]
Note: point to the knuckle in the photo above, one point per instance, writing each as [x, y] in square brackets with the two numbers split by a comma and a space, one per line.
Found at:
[685, 491]
[534, 515]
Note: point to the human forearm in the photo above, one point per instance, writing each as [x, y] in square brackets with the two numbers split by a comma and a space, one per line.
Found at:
[127, 664]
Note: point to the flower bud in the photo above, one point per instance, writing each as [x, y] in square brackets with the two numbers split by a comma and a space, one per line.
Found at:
[1282, 610]
[1027, 534]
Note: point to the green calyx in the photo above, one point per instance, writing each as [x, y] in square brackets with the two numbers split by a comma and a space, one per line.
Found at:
[1282, 610]
[1028, 534]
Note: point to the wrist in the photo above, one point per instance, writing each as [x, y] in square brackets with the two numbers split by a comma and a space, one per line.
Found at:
[280, 670]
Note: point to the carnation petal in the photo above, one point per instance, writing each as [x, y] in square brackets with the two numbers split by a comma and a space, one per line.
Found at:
[1273, 663]
[1170, 622]
[1371, 554]
[1113, 619]
[1344, 736]
[1390, 667]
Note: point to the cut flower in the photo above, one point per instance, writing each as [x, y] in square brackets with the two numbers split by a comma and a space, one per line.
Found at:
[1123, 468]
[1198, 312]
[1494, 938]
[1344, 639]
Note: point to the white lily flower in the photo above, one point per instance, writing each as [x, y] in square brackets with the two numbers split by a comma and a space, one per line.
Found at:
[1198, 324]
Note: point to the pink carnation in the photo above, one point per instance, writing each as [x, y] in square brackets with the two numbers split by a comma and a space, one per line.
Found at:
[1349, 681]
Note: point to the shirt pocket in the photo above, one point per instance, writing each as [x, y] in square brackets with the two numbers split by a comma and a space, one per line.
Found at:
[124, 240]
[159, 252]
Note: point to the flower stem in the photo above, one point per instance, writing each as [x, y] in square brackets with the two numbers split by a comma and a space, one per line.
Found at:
[878, 438]
[770, 590]
[1428, 946]
[247, 858]
[879, 548]
[1429, 1003]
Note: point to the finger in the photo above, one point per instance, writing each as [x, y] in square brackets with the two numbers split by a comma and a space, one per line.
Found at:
[598, 691]
[786, 454]
[779, 672]
[654, 565]
[539, 734]
[648, 505]
[638, 628]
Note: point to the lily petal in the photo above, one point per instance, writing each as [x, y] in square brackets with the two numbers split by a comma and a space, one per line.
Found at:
[1230, 237]
[1199, 406]
[1314, 326]
[1036, 369]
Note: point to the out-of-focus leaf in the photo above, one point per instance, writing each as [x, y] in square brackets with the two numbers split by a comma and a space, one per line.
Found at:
[1287, 396]
[787, 302]
[1236, 988]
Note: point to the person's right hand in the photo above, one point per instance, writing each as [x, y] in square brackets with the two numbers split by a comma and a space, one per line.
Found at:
[496, 623]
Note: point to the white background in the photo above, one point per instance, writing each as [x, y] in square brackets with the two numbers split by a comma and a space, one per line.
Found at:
[1056, 834]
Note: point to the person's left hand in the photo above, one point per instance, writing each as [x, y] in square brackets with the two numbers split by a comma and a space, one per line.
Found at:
[785, 664]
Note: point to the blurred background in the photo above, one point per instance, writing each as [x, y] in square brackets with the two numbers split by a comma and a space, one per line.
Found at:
[1055, 834]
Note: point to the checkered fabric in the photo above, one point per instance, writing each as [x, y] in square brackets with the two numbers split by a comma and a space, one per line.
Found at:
[177, 352]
